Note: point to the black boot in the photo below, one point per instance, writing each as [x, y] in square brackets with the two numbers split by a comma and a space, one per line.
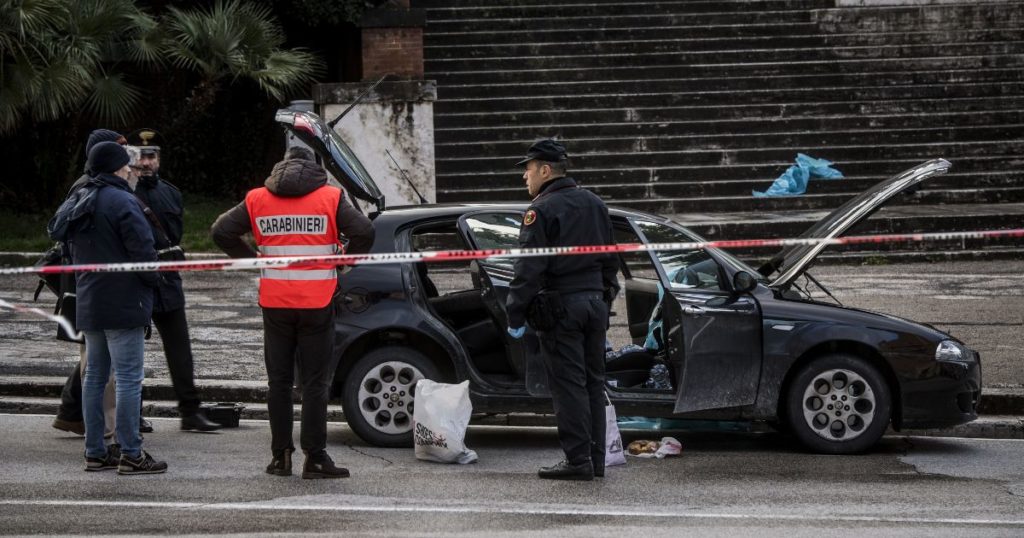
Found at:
[321, 466]
[564, 470]
[199, 423]
[281, 465]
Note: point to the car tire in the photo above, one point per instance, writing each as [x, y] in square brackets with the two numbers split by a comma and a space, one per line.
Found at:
[838, 404]
[379, 391]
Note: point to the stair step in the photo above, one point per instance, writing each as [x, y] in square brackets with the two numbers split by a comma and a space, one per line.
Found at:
[720, 97]
[719, 157]
[764, 171]
[641, 44]
[597, 58]
[825, 134]
[742, 132]
[542, 120]
[678, 84]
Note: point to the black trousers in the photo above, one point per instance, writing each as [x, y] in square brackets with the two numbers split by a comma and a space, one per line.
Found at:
[173, 329]
[574, 357]
[304, 338]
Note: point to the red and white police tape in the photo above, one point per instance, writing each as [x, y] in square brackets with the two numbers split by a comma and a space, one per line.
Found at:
[455, 255]
[240, 264]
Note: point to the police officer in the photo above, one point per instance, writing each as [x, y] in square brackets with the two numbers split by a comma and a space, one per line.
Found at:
[572, 316]
[297, 212]
[163, 207]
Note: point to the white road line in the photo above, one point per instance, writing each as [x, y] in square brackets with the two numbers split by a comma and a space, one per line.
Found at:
[511, 510]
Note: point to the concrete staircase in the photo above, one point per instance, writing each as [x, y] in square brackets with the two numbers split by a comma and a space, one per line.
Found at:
[682, 107]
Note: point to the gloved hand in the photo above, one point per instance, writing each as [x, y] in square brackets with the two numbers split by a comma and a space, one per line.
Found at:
[517, 333]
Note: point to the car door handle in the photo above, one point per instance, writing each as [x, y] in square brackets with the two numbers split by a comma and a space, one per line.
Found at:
[694, 311]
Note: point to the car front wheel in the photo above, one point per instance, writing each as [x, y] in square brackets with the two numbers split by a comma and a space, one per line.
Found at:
[379, 393]
[838, 404]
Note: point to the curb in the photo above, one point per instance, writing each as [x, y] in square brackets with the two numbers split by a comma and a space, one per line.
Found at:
[994, 401]
[986, 427]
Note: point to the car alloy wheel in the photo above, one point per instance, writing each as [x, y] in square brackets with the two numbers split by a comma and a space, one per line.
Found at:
[386, 394]
[838, 404]
[379, 394]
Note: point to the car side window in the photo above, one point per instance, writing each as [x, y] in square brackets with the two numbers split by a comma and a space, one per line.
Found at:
[495, 230]
[638, 263]
[685, 269]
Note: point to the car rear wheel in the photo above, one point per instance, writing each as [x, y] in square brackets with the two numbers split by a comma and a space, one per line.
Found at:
[838, 404]
[379, 393]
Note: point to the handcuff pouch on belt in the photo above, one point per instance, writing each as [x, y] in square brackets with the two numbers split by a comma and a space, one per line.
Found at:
[544, 310]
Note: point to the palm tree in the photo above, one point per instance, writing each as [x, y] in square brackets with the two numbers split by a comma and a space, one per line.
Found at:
[61, 56]
[234, 40]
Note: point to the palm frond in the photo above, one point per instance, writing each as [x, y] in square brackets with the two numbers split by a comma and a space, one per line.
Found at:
[112, 99]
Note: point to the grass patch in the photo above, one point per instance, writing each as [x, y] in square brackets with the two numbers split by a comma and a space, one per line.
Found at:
[27, 232]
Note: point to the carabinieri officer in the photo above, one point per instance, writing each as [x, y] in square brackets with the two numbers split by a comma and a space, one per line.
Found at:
[575, 289]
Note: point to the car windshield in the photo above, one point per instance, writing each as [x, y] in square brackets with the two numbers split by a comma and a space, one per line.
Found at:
[675, 262]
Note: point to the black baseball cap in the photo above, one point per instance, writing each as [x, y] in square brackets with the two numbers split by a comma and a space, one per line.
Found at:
[545, 150]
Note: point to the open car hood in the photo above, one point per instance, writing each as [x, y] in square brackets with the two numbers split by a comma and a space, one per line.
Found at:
[792, 261]
[334, 153]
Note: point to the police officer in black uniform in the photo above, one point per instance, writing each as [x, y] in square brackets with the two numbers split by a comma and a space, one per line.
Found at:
[570, 298]
[163, 208]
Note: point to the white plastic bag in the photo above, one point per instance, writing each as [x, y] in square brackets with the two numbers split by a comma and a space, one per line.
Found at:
[613, 453]
[440, 417]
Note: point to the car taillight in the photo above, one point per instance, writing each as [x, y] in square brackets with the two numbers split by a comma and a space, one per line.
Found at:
[302, 124]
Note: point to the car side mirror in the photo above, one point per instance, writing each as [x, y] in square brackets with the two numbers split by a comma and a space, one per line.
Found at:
[743, 282]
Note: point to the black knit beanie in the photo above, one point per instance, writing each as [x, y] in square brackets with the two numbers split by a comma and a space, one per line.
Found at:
[100, 135]
[107, 157]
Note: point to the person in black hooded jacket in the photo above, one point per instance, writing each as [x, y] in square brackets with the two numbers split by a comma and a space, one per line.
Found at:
[297, 212]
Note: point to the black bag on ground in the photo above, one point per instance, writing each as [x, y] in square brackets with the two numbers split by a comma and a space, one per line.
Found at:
[544, 311]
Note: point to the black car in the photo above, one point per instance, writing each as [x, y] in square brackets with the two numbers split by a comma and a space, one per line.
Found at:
[737, 343]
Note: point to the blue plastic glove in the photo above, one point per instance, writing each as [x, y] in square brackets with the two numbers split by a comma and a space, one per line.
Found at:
[516, 333]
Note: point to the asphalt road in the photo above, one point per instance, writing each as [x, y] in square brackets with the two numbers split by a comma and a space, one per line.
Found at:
[722, 485]
[981, 303]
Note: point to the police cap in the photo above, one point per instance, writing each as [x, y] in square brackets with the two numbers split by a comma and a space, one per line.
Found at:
[545, 150]
[147, 140]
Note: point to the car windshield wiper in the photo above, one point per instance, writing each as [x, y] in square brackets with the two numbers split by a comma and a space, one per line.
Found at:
[822, 287]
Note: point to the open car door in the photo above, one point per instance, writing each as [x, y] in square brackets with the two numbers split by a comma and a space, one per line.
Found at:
[498, 229]
[713, 337]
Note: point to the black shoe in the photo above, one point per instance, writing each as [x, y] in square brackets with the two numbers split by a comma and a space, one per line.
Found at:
[198, 423]
[144, 464]
[73, 426]
[564, 470]
[281, 465]
[107, 462]
[322, 467]
[598, 471]
[598, 461]
[145, 426]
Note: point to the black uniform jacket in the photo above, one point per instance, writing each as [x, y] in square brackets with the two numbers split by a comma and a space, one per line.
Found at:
[165, 201]
[562, 215]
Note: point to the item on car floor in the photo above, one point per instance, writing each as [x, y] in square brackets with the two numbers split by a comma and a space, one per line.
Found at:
[668, 446]
[440, 418]
[226, 414]
[611, 354]
[658, 378]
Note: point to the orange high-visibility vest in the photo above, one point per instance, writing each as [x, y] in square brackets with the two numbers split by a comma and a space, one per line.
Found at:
[300, 226]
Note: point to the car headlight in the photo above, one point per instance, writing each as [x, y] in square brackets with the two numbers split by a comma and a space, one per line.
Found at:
[949, 350]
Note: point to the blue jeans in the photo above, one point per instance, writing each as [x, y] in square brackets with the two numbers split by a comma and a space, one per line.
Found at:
[121, 349]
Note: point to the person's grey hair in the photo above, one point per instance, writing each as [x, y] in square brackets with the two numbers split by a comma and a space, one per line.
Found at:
[299, 152]
[134, 153]
[558, 169]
